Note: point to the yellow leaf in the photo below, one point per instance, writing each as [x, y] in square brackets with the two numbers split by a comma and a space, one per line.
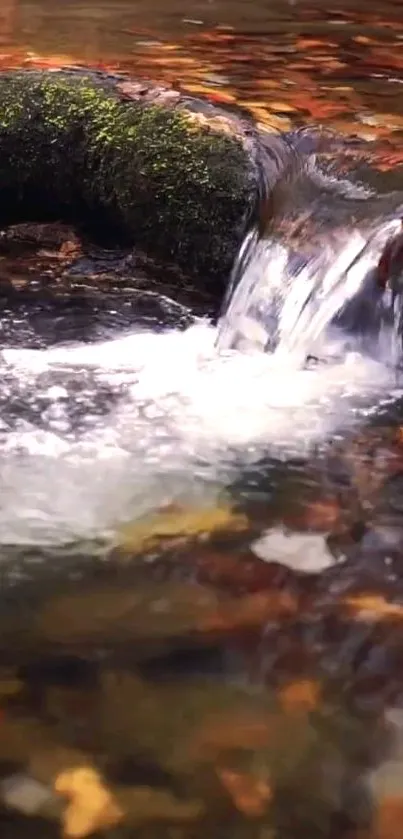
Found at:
[283, 107]
[92, 807]
[374, 606]
[187, 522]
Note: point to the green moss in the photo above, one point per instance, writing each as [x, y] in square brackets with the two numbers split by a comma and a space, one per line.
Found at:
[70, 144]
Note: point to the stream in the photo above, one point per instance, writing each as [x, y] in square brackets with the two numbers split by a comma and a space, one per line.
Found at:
[201, 520]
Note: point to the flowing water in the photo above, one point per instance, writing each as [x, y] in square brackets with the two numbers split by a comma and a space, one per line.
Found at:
[201, 523]
[95, 434]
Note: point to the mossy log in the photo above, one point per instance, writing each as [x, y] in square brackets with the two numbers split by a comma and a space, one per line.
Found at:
[173, 176]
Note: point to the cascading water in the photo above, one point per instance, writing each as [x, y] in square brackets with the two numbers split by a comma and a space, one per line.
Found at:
[94, 434]
[285, 302]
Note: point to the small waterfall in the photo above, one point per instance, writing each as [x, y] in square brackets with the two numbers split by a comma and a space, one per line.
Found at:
[92, 433]
[284, 301]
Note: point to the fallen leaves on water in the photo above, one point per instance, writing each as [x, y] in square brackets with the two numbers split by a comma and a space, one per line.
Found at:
[314, 43]
[282, 107]
[216, 95]
[319, 108]
[264, 115]
[310, 87]
[179, 522]
[91, 805]
[373, 607]
[388, 159]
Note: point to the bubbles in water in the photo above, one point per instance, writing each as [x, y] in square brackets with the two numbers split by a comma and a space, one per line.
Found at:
[179, 418]
[93, 435]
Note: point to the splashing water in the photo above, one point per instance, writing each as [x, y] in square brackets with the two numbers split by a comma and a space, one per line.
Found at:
[91, 435]
[285, 303]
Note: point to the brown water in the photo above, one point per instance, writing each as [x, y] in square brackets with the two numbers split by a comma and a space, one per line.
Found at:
[208, 692]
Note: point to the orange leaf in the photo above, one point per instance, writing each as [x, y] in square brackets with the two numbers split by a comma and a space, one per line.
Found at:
[300, 696]
[311, 43]
[374, 606]
[250, 795]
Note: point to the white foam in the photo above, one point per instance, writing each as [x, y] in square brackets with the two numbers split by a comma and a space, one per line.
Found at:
[185, 416]
[303, 552]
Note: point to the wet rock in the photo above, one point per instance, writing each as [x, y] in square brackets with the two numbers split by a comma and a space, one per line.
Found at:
[389, 270]
[172, 175]
[57, 238]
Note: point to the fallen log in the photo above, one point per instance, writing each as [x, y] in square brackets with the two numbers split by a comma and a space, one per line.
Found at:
[176, 177]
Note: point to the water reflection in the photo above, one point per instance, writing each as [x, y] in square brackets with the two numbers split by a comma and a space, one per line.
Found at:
[341, 66]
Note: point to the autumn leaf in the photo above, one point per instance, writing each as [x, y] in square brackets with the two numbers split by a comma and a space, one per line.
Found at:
[372, 606]
[250, 795]
[300, 696]
[91, 805]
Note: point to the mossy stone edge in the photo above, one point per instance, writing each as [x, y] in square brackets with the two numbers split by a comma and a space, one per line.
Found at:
[75, 146]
